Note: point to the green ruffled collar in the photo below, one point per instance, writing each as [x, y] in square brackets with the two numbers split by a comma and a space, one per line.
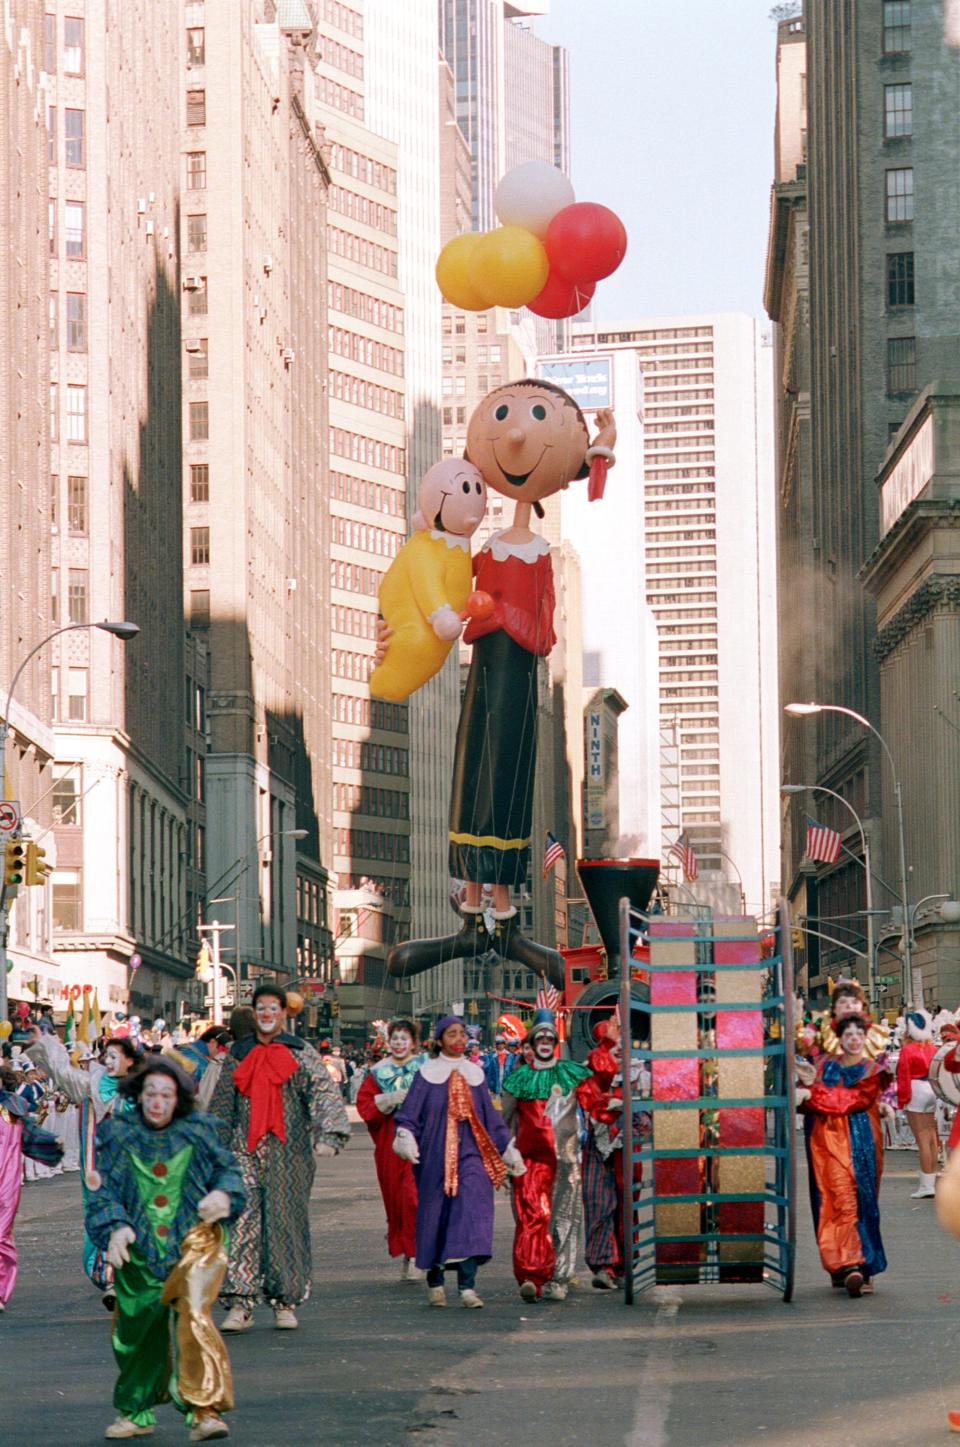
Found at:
[525, 1083]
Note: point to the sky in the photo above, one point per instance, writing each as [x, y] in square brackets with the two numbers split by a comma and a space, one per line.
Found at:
[672, 107]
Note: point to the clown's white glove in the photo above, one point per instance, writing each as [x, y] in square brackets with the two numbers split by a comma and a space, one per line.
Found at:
[446, 623]
[215, 1206]
[801, 1096]
[389, 1100]
[406, 1147]
[615, 1103]
[513, 1160]
[118, 1247]
[324, 1148]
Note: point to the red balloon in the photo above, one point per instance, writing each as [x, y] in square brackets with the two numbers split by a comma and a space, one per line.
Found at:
[479, 606]
[561, 298]
[585, 242]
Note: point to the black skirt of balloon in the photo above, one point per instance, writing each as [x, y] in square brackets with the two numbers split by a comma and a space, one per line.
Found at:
[491, 803]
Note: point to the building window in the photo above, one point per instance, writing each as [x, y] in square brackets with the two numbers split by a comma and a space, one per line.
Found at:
[199, 482]
[67, 900]
[74, 230]
[73, 129]
[55, 595]
[54, 408]
[51, 135]
[897, 110]
[198, 359]
[196, 170]
[199, 421]
[196, 107]
[66, 796]
[896, 27]
[52, 224]
[197, 299]
[77, 505]
[199, 547]
[50, 44]
[196, 45]
[76, 695]
[72, 45]
[76, 321]
[76, 414]
[196, 233]
[900, 278]
[52, 311]
[899, 194]
[901, 364]
[199, 607]
[77, 611]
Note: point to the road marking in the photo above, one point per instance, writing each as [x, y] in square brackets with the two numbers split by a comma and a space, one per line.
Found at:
[651, 1410]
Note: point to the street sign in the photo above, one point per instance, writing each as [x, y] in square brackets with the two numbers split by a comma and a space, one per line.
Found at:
[9, 816]
[317, 987]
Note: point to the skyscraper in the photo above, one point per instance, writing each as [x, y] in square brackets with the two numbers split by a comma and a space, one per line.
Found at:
[710, 570]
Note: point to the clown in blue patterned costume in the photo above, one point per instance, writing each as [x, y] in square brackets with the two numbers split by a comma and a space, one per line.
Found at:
[166, 1184]
[95, 1091]
[277, 1107]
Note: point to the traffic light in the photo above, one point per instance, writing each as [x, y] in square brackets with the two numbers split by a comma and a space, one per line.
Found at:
[334, 1007]
[796, 939]
[37, 872]
[204, 971]
[14, 862]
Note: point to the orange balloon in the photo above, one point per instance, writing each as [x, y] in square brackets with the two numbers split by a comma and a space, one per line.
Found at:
[294, 1002]
[6, 1029]
[479, 606]
[454, 273]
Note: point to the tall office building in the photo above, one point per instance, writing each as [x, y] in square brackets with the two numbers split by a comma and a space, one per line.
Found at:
[257, 541]
[710, 575]
[25, 490]
[787, 301]
[369, 415]
[883, 180]
[120, 792]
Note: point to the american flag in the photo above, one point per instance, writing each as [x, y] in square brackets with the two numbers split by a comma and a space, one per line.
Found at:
[823, 844]
[548, 997]
[683, 852]
[553, 850]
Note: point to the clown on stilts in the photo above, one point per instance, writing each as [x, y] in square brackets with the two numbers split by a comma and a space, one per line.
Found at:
[380, 1096]
[461, 1151]
[165, 1184]
[540, 1107]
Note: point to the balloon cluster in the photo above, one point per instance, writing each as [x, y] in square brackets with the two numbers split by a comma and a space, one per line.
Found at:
[548, 255]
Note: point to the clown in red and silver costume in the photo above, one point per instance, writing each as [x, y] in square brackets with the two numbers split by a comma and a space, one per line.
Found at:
[540, 1108]
[277, 1108]
[380, 1095]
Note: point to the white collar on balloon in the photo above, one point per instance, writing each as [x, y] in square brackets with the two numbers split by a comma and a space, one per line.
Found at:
[452, 540]
[526, 552]
[439, 1070]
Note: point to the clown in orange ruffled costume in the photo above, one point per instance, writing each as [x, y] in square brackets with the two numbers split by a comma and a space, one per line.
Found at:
[277, 1108]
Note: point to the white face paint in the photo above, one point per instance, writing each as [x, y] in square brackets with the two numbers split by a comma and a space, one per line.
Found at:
[852, 1040]
[115, 1062]
[158, 1101]
[544, 1047]
[401, 1044]
[270, 1014]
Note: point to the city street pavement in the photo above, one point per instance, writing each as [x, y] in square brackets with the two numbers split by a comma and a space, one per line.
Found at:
[719, 1366]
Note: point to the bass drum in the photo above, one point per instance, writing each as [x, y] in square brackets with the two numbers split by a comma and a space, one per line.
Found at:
[946, 1085]
[601, 997]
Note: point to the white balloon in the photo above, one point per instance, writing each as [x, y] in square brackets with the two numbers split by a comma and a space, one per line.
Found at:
[531, 194]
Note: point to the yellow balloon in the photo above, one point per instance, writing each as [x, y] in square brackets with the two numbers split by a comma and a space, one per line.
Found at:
[510, 267]
[453, 273]
[294, 1002]
[6, 1029]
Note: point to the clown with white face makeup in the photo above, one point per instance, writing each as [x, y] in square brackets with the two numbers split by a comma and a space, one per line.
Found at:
[278, 1107]
[95, 1091]
[380, 1095]
[540, 1107]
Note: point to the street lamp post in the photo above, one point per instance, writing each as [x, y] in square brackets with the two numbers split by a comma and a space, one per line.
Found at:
[821, 789]
[800, 710]
[124, 631]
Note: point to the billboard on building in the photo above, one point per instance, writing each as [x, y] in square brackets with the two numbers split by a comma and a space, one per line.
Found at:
[589, 380]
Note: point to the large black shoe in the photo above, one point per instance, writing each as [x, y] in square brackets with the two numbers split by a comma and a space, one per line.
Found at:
[412, 957]
[510, 944]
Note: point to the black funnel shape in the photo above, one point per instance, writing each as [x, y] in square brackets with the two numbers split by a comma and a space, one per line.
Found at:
[605, 882]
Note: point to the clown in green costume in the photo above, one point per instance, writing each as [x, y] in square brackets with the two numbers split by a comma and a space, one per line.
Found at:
[166, 1185]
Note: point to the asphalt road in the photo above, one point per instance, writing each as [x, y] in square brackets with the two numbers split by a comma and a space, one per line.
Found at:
[719, 1366]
